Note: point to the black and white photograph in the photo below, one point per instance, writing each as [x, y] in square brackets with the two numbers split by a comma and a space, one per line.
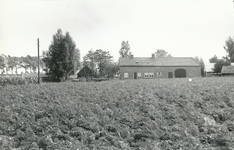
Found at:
[117, 74]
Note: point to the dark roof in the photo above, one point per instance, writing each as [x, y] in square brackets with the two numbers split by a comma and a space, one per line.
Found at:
[84, 72]
[227, 69]
[157, 61]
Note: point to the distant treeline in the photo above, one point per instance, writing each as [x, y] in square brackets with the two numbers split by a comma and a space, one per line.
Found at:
[12, 64]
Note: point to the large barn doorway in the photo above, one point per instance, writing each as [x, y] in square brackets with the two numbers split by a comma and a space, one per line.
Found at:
[180, 73]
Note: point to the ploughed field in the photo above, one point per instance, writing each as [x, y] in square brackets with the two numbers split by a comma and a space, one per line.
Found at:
[130, 114]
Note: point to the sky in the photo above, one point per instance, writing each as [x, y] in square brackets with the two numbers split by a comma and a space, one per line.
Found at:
[183, 28]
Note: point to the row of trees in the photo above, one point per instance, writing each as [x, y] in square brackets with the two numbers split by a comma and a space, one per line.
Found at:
[10, 63]
[225, 60]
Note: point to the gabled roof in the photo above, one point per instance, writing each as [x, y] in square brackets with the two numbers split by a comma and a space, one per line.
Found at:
[158, 61]
[84, 72]
[227, 69]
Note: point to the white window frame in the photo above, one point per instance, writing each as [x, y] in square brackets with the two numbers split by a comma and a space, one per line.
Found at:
[138, 74]
[159, 73]
[126, 75]
[151, 75]
[146, 75]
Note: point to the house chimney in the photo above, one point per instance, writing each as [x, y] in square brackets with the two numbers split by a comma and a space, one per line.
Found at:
[153, 55]
[131, 56]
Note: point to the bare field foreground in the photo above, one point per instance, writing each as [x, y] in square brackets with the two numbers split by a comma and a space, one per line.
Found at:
[131, 114]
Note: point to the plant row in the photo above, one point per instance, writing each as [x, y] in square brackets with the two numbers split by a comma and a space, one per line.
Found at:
[147, 114]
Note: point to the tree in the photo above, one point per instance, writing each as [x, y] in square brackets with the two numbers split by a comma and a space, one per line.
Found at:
[229, 48]
[99, 58]
[125, 49]
[111, 69]
[10, 63]
[219, 64]
[202, 64]
[31, 62]
[2, 63]
[88, 60]
[162, 53]
[214, 59]
[76, 60]
[13, 62]
[102, 58]
[74, 54]
[62, 55]
[23, 63]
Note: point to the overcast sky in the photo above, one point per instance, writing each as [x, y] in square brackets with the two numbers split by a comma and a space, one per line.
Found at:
[184, 28]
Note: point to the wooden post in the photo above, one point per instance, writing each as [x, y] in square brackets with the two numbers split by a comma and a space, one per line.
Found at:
[38, 70]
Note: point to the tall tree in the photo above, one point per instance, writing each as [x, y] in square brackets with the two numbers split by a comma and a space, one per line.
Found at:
[88, 60]
[99, 58]
[125, 49]
[111, 69]
[219, 64]
[61, 56]
[73, 55]
[23, 63]
[30, 62]
[2, 64]
[214, 59]
[229, 47]
[13, 62]
[202, 64]
[10, 63]
[102, 58]
[162, 53]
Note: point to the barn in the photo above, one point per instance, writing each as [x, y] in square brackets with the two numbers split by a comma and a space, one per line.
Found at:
[85, 72]
[227, 70]
[158, 67]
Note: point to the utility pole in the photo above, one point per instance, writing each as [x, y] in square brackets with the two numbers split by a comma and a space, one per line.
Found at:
[38, 70]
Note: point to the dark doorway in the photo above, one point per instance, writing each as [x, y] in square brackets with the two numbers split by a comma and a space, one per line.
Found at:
[135, 75]
[180, 73]
[170, 75]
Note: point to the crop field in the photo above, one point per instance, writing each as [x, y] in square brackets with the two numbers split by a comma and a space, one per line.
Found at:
[131, 114]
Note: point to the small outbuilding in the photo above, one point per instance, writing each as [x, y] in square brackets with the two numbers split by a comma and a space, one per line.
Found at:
[227, 70]
[84, 72]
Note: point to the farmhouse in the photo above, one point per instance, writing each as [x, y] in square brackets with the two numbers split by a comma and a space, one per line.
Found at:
[158, 67]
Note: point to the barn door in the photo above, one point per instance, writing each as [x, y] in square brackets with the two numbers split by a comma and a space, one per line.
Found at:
[170, 75]
[135, 75]
[180, 73]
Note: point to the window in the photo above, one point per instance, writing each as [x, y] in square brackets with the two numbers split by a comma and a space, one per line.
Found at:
[139, 74]
[151, 75]
[191, 73]
[146, 75]
[159, 73]
[125, 75]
